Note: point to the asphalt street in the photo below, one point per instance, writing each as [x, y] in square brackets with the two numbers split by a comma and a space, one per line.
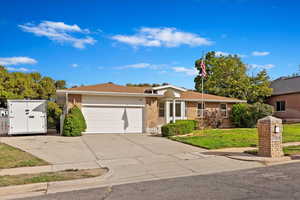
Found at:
[274, 182]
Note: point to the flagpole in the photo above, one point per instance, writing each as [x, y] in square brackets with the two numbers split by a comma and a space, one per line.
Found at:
[202, 85]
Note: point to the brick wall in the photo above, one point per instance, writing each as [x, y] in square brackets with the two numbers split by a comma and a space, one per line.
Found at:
[151, 113]
[209, 107]
[292, 106]
[74, 99]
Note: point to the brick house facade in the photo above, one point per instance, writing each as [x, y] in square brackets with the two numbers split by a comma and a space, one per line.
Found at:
[109, 107]
[285, 98]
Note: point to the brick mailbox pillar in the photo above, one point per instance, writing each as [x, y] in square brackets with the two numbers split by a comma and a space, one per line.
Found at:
[270, 137]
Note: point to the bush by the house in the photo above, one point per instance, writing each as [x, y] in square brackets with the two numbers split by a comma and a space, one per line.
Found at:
[74, 123]
[53, 114]
[77, 112]
[180, 127]
[192, 123]
[246, 115]
[71, 126]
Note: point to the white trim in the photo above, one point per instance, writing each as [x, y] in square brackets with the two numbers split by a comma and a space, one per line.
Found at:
[169, 86]
[204, 105]
[215, 100]
[112, 105]
[226, 110]
[280, 111]
[109, 93]
[24, 100]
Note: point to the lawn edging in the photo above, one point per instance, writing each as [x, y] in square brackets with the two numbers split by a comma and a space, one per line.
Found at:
[42, 188]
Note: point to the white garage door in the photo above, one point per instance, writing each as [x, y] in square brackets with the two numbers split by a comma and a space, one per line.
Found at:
[113, 119]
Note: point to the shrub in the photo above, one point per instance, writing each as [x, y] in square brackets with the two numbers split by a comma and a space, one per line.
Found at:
[72, 126]
[180, 127]
[192, 123]
[74, 123]
[53, 114]
[246, 115]
[77, 112]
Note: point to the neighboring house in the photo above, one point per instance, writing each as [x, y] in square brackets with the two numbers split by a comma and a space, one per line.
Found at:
[286, 98]
[110, 108]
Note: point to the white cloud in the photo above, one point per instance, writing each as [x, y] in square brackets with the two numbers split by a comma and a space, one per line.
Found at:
[260, 53]
[185, 70]
[74, 65]
[21, 69]
[60, 32]
[222, 53]
[141, 66]
[17, 60]
[267, 66]
[166, 37]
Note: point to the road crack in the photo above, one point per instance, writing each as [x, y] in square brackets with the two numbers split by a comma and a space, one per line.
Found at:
[107, 193]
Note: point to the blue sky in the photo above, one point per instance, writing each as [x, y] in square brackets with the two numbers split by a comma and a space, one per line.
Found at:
[134, 41]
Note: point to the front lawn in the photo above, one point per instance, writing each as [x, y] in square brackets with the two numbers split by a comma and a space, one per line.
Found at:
[11, 157]
[237, 137]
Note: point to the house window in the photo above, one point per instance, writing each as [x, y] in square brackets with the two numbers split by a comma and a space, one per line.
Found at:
[223, 109]
[161, 110]
[280, 106]
[177, 109]
[200, 109]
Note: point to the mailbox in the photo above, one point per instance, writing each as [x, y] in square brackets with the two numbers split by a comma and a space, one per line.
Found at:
[277, 129]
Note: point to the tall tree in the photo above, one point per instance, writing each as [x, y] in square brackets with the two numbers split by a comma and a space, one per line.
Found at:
[60, 84]
[19, 85]
[227, 76]
[259, 87]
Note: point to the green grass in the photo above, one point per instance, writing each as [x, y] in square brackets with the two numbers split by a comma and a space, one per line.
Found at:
[288, 151]
[50, 176]
[237, 137]
[11, 157]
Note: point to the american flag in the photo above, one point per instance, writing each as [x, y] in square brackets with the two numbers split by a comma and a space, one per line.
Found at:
[203, 68]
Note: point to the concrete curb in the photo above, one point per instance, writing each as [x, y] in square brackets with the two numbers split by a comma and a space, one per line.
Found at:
[36, 189]
[263, 160]
[49, 168]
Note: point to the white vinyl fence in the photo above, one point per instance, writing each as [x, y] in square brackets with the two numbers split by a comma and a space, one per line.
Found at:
[3, 125]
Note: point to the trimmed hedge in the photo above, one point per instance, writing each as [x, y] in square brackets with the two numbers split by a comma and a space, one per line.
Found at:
[74, 123]
[180, 127]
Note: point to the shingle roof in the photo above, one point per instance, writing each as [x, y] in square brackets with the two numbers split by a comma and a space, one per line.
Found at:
[198, 95]
[110, 87]
[286, 85]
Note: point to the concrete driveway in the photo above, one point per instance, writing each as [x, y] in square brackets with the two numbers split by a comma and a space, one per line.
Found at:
[131, 157]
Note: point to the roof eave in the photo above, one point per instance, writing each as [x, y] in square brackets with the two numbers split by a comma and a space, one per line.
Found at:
[216, 100]
[107, 93]
[285, 93]
[169, 86]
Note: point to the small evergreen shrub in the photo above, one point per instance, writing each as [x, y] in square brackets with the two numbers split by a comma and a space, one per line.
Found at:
[72, 126]
[74, 123]
[180, 127]
[246, 115]
[77, 112]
